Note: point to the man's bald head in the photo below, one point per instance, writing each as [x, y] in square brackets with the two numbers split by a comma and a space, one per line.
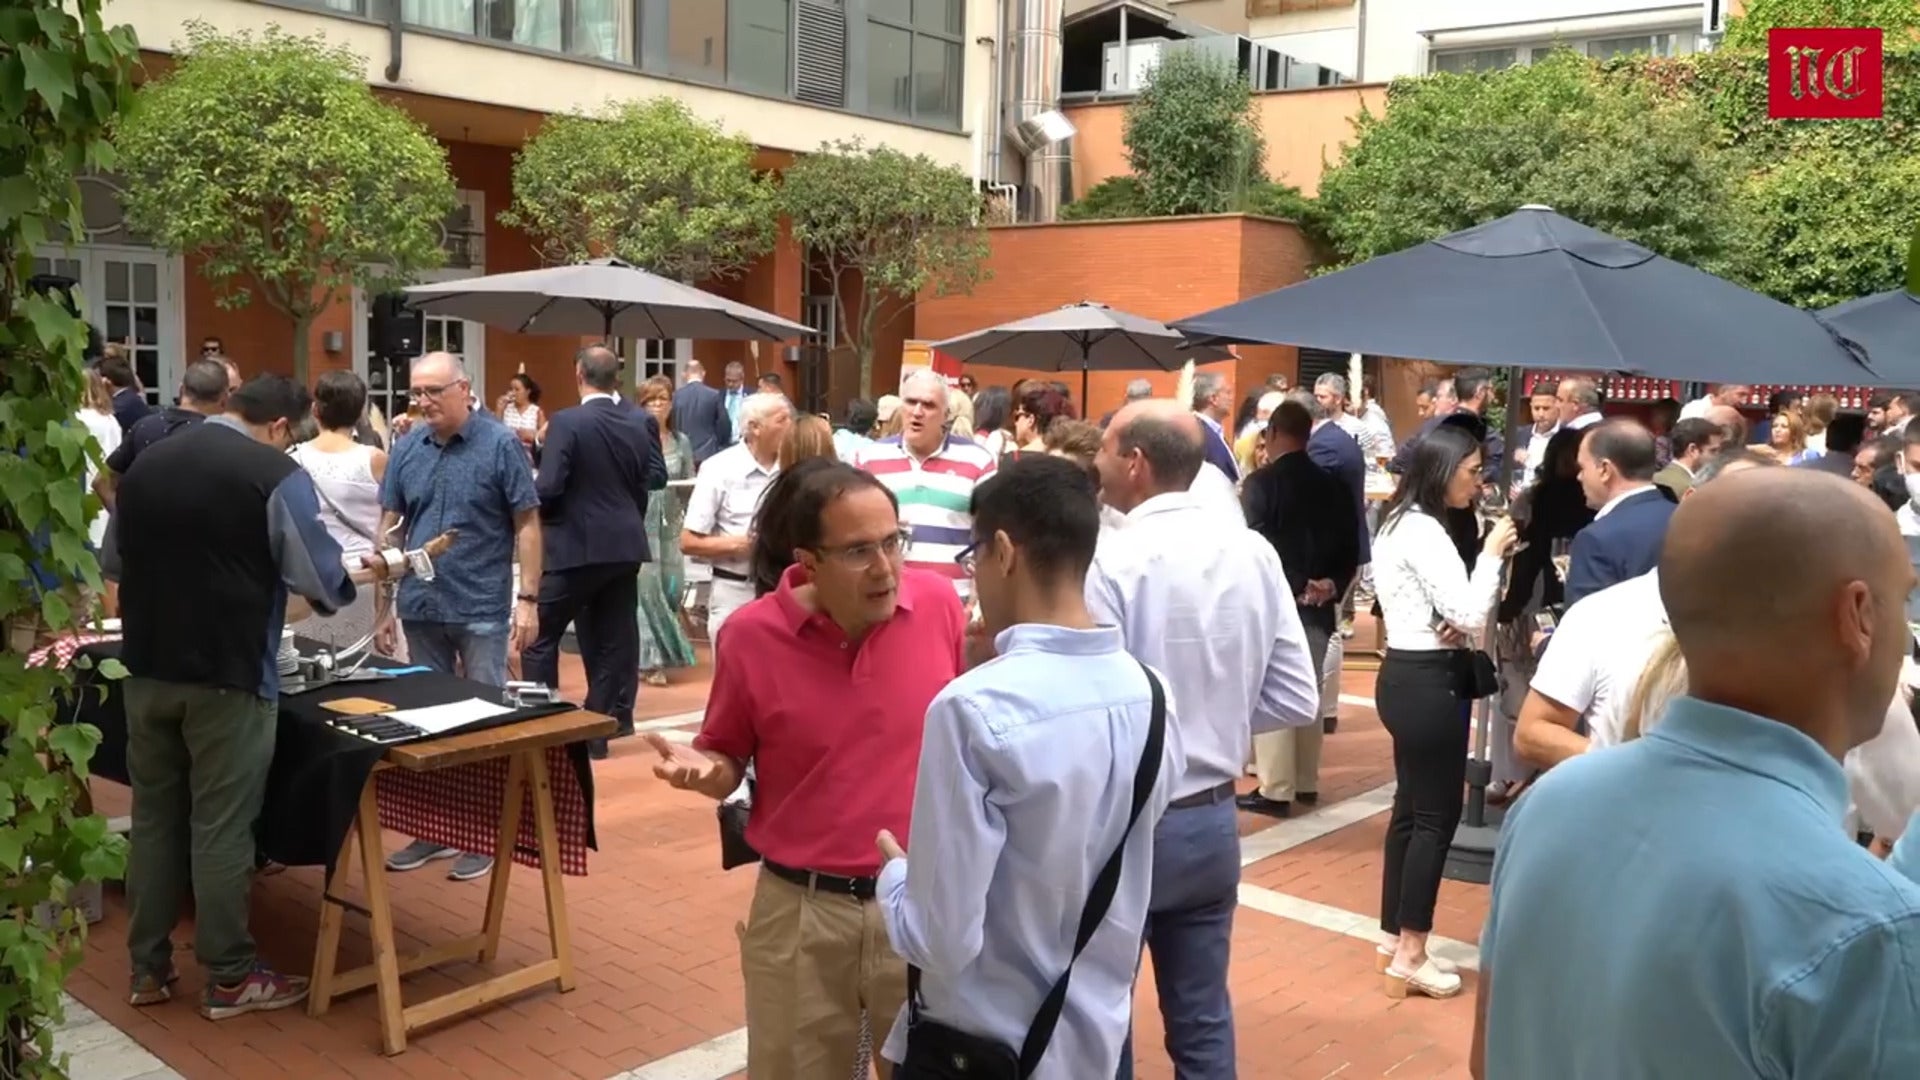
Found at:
[598, 368]
[1786, 589]
[1728, 419]
[1151, 447]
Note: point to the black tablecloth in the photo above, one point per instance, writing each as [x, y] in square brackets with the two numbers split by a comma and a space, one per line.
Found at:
[314, 785]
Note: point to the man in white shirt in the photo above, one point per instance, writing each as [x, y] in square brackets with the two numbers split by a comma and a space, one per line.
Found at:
[986, 906]
[1209, 606]
[1544, 408]
[1579, 693]
[719, 522]
[1732, 395]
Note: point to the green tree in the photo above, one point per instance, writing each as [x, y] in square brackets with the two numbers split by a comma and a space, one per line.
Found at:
[888, 229]
[1114, 197]
[272, 160]
[1453, 151]
[64, 77]
[1193, 137]
[649, 182]
[1827, 223]
[1748, 30]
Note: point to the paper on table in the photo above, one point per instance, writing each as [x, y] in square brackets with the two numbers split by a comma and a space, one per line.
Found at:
[435, 719]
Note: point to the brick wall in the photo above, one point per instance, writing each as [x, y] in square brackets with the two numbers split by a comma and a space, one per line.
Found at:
[1162, 269]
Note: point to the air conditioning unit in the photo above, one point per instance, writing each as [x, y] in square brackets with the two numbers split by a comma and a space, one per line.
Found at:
[1123, 72]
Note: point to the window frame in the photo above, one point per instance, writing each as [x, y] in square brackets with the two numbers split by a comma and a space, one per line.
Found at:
[863, 70]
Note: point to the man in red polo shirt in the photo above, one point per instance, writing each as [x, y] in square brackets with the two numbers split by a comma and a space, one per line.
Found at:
[824, 684]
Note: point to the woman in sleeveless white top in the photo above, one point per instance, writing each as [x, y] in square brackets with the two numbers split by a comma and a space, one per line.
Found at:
[346, 475]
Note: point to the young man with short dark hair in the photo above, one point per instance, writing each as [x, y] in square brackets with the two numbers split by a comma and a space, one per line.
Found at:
[1026, 789]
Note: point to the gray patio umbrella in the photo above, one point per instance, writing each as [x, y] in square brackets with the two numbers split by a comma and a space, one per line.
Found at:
[1535, 289]
[1888, 324]
[601, 296]
[1084, 337]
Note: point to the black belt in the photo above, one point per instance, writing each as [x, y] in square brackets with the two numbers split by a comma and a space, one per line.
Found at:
[860, 888]
[728, 575]
[1216, 794]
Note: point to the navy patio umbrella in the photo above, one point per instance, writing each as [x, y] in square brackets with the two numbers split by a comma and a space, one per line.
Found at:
[1535, 289]
[1888, 325]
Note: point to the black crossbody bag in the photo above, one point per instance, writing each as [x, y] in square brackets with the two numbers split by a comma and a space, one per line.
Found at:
[938, 1052]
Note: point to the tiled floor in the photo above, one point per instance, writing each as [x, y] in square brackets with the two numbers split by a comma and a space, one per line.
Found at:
[658, 973]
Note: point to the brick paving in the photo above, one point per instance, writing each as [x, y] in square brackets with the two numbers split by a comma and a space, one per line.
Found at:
[658, 970]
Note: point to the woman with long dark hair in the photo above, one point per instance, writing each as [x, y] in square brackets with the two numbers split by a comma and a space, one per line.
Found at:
[1432, 608]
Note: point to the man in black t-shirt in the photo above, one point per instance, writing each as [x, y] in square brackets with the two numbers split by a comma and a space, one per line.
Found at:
[203, 393]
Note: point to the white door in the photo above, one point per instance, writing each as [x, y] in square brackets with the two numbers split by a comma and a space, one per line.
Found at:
[387, 389]
[133, 297]
[661, 357]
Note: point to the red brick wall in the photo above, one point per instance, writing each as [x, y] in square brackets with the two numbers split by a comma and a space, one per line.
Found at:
[1163, 269]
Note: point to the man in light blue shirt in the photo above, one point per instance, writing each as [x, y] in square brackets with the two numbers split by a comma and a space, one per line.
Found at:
[1025, 791]
[1688, 905]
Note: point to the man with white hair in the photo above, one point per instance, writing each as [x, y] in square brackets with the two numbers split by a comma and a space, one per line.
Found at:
[460, 469]
[726, 493]
[932, 473]
[1137, 390]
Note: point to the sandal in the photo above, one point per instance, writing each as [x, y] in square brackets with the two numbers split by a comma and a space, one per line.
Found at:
[1383, 958]
[1429, 981]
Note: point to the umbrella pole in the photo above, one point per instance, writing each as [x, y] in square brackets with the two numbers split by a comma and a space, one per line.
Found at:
[1086, 376]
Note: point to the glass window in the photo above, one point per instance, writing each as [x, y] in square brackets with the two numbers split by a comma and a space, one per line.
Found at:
[889, 70]
[1608, 48]
[523, 22]
[454, 15]
[697, 39]
[936, 78]
[1474, 60]
[602, 29]
[898, 11]
[759, 45]
[940, 16]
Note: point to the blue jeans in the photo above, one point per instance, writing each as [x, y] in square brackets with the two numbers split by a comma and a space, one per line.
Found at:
[476, 651]
[1196, 889]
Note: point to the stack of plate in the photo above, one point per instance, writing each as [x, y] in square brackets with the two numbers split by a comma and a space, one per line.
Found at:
[288, 659]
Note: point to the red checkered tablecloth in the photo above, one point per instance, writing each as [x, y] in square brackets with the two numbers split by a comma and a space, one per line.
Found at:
[459, 806]
[61, 651]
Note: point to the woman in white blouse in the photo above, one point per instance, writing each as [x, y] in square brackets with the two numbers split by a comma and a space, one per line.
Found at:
[1432, 609]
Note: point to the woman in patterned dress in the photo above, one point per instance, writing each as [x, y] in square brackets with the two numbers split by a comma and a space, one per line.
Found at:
[663, 641]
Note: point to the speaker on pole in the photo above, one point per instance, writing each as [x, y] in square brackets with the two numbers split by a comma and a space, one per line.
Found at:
[397, 330]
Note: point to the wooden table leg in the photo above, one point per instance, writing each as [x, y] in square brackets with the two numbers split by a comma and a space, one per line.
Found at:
[510, 808]
[333, 914]
[386, 961]
[559, 931]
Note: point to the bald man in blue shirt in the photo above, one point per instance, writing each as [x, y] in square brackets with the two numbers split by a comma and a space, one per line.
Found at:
[1688, 905]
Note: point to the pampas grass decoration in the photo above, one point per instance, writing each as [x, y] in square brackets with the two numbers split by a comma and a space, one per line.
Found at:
[1183, 390]
[1353, 382]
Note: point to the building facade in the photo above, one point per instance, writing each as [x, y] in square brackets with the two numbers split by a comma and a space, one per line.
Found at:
[481, 75]
[1381, 40]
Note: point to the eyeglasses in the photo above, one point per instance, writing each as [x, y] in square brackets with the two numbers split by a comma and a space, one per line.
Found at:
[968, 558]
[424, 393]
[862, 556]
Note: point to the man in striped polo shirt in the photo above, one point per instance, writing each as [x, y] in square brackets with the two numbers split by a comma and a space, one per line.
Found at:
[932, 474]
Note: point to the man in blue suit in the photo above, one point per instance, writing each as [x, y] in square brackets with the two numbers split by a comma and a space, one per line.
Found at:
[700, 413]
[1617, 463]
[601, 460]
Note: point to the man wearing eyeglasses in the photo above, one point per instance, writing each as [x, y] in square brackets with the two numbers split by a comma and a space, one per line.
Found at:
[461, 469]
[212, 346]
[824, 685]
[933, 474]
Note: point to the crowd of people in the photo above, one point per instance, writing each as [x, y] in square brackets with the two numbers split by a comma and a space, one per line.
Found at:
[988, 676]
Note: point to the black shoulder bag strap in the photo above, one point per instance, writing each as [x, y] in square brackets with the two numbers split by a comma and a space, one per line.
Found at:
[1099, 898]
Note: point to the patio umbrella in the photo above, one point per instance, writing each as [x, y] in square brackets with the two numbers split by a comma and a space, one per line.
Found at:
[601, 296]
[1888, 324]
[1084, 337]
[1535, 289]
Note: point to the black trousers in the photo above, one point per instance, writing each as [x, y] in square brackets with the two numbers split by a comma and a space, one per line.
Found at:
[602, 604]
[1418, 695]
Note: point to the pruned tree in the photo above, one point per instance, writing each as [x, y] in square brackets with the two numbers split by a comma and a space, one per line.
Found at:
[648, 182]
[1193, 137]
[888, 228]
[271, 160]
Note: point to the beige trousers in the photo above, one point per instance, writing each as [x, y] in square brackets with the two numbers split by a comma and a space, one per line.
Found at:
[812, 961]
[1287, 762]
